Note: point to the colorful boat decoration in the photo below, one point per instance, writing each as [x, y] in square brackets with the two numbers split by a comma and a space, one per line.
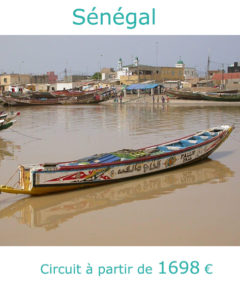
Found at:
[119, 165]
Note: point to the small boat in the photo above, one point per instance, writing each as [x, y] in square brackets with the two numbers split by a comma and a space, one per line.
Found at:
[3, 115]
[7, 119]
[8, 116]
[6, 124]
[119, 165]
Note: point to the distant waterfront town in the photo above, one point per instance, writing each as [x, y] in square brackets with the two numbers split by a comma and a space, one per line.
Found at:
[179, 76]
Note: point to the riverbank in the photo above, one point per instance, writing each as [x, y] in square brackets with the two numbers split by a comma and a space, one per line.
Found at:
[146, 99]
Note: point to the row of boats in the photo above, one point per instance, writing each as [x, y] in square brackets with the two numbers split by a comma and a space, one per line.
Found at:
[221, 96]
[58, 97]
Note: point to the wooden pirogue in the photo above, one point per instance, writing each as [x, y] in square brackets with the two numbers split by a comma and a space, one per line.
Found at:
[115, 166]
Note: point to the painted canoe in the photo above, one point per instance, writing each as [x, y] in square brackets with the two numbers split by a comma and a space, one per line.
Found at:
[119, 165]
[6, 124]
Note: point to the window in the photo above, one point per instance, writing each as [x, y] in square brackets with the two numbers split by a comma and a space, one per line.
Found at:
[5, 80]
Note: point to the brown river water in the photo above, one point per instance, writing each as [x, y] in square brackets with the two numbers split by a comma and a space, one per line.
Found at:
[195, 205]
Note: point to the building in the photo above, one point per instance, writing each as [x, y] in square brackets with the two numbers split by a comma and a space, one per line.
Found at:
[39, 79]
[229, 80]
[108, 74]
[212, 72]
[9, 81]
[75, 78]
[60, 86]
[146, 73]
[190, 73]
[49, 78]
[234, 68]
[52, 77]
[137, 72]
[180, 63]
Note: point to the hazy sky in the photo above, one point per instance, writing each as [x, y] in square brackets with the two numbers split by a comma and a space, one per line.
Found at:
[86, 54]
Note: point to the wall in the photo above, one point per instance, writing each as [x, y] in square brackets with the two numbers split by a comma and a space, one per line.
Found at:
[159, 75]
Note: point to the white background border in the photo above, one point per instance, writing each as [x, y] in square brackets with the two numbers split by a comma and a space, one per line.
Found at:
[20, 275]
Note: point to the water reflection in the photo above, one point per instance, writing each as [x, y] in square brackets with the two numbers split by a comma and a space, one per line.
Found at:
[50, 211]
[7, 149]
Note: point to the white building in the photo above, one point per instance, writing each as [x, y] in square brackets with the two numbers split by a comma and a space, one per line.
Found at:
[189, 73]
[60, 86]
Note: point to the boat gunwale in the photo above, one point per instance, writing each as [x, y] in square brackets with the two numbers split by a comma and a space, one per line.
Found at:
[140, 159]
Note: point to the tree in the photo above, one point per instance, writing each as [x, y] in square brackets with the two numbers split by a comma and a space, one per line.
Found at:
[97, 76]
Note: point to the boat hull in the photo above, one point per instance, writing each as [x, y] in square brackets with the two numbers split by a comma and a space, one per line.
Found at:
[30, 102]
[6, 125]
[219, 97]
[113, 174]
[52, 178]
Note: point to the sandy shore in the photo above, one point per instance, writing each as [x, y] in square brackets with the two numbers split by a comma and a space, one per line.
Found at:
[148, 100]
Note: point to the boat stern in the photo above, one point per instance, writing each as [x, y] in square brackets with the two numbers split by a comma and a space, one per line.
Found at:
[24, 182]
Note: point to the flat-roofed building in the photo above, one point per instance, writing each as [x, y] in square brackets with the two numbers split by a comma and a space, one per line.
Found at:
[7, 80]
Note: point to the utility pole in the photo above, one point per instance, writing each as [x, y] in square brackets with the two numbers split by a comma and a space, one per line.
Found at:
[156, 53]
[222, 85]
[100, 66]
[65, 74]
[208, 66]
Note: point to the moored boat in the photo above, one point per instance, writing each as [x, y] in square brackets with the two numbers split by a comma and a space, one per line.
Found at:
[58, 98]
[26, 101]
[184, 94]
[8, 116]
[223, 96]
[119, 165]
[6, 124]
[7, 119]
